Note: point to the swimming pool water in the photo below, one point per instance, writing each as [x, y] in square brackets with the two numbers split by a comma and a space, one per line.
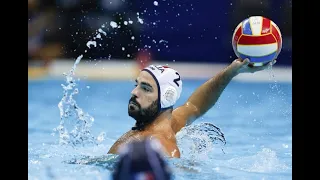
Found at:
[256, 120]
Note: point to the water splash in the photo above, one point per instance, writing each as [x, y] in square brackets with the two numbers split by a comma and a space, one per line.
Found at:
[276, 91]
[198, 140]
[75, 124]
[265, 161]
[113, 24]
[106, 161]
[94, 43]
[77, 131]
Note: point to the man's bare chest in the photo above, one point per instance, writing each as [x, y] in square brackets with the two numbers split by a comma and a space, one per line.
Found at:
[127, 138]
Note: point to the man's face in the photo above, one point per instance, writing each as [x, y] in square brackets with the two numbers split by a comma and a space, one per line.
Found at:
[143, 104]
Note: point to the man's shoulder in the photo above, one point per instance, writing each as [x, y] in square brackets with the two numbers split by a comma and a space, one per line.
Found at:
[178, 119]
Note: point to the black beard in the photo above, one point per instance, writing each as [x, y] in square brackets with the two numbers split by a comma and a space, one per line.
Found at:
[143, 116]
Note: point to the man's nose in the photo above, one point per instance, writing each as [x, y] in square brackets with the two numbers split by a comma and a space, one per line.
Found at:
[135, 92]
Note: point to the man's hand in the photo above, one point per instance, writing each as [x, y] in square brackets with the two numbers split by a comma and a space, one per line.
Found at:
[244, 66]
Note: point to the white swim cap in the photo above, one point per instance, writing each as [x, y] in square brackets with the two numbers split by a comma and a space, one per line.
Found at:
[168, 82]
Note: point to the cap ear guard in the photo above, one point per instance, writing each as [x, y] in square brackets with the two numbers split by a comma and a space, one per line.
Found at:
[169, 96]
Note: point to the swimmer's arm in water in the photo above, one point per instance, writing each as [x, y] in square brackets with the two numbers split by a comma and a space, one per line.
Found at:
[208, 93]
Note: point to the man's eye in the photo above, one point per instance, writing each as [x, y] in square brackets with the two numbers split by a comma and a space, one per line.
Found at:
[146, 89]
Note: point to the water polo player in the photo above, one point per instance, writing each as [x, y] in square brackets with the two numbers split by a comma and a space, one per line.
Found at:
[157, 90]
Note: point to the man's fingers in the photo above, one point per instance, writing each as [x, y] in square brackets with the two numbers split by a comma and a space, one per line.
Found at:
[246, 62]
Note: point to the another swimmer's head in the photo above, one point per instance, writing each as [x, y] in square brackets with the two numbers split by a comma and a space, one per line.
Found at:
[142, 159]
[158, 88]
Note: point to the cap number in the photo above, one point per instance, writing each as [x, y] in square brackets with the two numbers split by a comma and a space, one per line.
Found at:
[177, 79]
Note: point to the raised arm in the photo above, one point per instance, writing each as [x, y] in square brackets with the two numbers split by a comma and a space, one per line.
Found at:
[208, 93]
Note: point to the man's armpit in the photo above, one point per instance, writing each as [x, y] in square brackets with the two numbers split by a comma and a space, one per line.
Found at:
[183, 115]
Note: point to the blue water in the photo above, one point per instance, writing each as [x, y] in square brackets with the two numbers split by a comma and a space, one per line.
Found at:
[256, 120]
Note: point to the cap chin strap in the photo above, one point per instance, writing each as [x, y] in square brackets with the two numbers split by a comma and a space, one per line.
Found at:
[164, 109]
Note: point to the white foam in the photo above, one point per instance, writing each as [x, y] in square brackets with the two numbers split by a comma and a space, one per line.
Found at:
[163, 41]
[265, 161]
[94, 43]
[113, 24]
[140, 20]
[78, 60]
[101, 31]
[98, 36]
[155, 3]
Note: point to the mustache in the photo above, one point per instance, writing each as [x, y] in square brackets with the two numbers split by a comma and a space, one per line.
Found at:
[133, 100]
